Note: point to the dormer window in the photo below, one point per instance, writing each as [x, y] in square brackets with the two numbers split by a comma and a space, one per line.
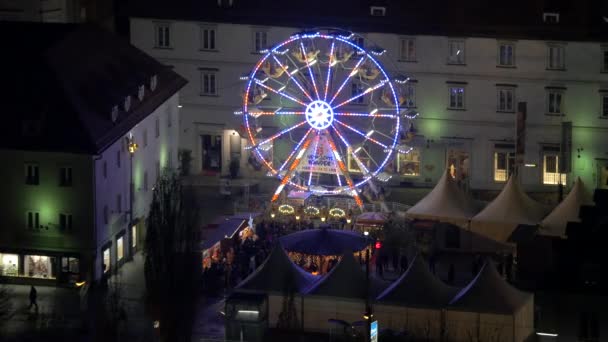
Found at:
[127, 104]
[377, 11]
[153, 82]
[114, 115]
[141, 92]
[224, 3]
[550, 18]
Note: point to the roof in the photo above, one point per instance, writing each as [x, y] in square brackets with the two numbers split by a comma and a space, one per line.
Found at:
[225, 229]
[418, 287]
[325, 241]
[517, 19]
[567, 211]
[371, 217]
[277, 274]
[347, 280]
[488, 292]
[445, 201]
[62, 101]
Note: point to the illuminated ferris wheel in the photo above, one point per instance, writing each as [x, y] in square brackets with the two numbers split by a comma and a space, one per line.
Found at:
[327, 110]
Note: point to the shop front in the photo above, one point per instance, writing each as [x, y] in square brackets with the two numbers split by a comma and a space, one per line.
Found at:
[41, 267]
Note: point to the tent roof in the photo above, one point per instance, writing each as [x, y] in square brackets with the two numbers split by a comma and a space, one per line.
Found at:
[372, 217]
[347, 280]
[277, 274]
[489, 292]
[418, 287]
[567, 211]
[446, 200]
[324, 241]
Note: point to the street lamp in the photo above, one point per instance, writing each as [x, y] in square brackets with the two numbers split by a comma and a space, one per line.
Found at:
[272, 215]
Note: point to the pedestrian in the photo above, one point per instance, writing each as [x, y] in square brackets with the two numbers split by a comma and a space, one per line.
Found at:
[33, 298]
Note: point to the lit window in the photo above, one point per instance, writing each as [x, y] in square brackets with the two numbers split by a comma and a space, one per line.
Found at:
[32, 220]
[105, 263]
[163, 35]
[551, 173]
[504, 163]
[207, 38]
[407, 51]
[363, 157]
[356, 89]
[9, 265]
[134, 236]
[409, 164]
[260, 41]
[208, 83]
[65, 176]
[456, 98]
[65, 221]
[505, 100]
[456, 52]
[38, 266]
[556, 57]
[32, 176]
[120, 248]
[555, 102]
[605, 105]
[506, 54]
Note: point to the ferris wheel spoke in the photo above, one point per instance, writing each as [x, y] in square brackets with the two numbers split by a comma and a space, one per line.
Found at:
[329, 66]
[287, 130]
[293, 152]
[261, 84]
[351, 151]
[344, 170]
[366, 136]
[314, 151]
[370, 115]
[365, 92]
[292, 78]
[308, 64]
[279, 112]
[352, 73]
[292, 168]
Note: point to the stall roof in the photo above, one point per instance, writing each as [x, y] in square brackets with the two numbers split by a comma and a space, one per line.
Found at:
[371, 217]
[225, 229]
[567, 211]
[445, 201]
[325, 241]
[489, 292]
[418, 287]
[277, 274]
[346, 280]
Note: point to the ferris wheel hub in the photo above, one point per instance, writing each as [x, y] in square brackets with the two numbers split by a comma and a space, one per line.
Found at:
[319, 114]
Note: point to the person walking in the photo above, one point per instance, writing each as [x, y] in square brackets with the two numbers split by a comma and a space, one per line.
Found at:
[33, 298]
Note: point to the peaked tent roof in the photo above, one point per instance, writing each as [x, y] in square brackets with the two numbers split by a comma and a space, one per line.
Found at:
[325, 241]
[418, 287]
[489, 292]
[346, 280]
[277, 274]
[509, 209]
[446, 202]
[567, 211]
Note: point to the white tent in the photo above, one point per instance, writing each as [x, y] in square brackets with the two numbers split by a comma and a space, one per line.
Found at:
[567, 211]
[509, 209]
[445, 203]
[490, 309]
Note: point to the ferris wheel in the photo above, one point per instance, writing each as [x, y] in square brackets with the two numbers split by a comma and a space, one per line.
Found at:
[322, 114]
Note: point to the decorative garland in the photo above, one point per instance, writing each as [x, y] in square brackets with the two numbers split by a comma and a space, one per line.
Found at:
[312, 211]
[337, 212]
[286, 209]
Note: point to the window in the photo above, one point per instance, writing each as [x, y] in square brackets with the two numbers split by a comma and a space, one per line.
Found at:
[456, 97]
[605, 105]
[9, 265]
[120, 252]
[589, 328]
[207, 38]
[119, 203]
[104, 169]
[356, 89]
[65, 176]
[133, 236]
[157, 127]
[506, 54]
[556, 57]
[551, 173]
[32, 220]
[260, 41]
[551, 18]
[363, 157]
[145, 180]
[32, 176]
[141, 91]
[118, 158]
[554, 102]
[377, 11]
[127, 104]
[65, 221]
[410, 95]
[505, 100]
[504, 163]
[409, 164]
[38, 266]
[70, 265]
[145, 137]
[163, 35]
[106, 214]
[105, 262]
[407, 50]
[208, 83]
[604, 59]
[456, 52]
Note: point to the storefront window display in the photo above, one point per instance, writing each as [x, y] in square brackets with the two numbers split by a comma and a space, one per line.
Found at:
[9, 265]
[38, 266]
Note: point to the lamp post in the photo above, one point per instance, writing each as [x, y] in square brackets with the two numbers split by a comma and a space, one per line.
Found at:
[132, 146]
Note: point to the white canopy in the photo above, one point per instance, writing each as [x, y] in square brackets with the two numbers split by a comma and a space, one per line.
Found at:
[509, 209]
[446, 203]
[567, 211]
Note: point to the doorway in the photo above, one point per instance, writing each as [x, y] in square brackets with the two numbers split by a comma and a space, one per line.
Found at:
[211, 154]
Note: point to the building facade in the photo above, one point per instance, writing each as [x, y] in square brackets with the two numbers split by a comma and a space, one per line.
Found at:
[69, 153]
[466, 83]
